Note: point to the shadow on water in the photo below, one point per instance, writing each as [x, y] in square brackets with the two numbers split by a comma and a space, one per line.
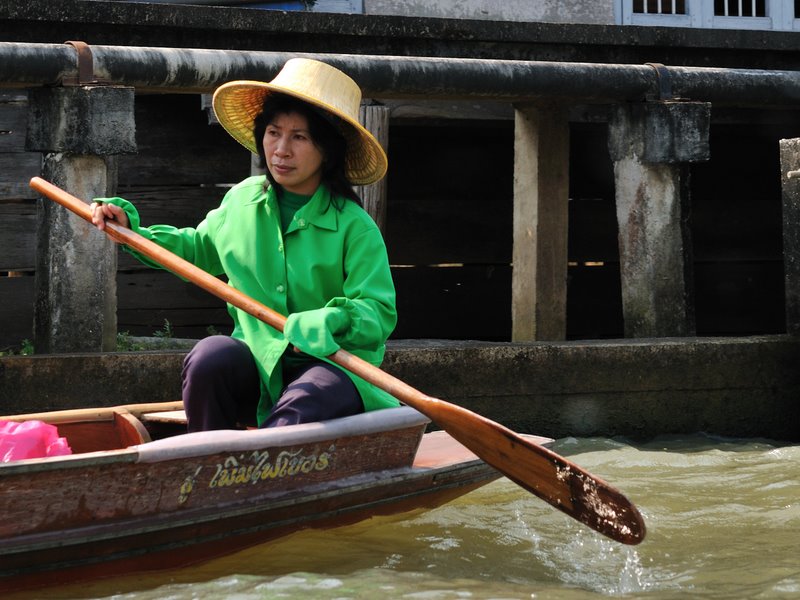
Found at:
[723, 520]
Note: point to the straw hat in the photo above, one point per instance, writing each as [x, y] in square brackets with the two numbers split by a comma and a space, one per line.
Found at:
[237, 103]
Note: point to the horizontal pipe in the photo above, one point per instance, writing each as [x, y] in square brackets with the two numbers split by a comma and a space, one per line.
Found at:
[175, 70]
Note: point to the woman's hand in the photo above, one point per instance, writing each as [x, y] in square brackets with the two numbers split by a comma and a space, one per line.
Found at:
[314, 331]
[102, 212]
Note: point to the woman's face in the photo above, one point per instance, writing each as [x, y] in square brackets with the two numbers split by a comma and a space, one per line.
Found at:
[293, 159]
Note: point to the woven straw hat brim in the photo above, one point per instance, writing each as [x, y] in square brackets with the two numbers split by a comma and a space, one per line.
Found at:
[237, 103]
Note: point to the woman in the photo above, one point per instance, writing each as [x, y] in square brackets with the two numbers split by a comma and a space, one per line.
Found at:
[298, 241]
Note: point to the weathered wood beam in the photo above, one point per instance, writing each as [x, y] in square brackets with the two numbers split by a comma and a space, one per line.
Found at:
[790, 180]
[375, 118]
[541, 193]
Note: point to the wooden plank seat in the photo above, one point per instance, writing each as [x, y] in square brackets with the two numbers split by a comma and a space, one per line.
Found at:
[177, 417]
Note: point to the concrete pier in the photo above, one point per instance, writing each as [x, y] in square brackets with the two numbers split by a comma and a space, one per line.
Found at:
[79, 130]
[648, 142]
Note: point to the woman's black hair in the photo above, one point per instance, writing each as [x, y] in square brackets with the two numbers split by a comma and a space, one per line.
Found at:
[323, 133]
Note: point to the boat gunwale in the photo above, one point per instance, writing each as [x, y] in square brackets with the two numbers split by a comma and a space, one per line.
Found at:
[68, 461]
[206, 443]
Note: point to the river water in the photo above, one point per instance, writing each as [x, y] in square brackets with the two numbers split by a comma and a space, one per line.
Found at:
[723, 520]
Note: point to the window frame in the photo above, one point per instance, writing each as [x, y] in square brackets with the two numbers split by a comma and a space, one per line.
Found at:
[700, 14]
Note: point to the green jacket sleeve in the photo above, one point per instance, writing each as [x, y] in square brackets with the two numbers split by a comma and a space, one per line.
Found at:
[195, 245]
[369, 294]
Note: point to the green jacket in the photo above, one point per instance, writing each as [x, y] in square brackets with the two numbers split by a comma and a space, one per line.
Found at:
[327, 258]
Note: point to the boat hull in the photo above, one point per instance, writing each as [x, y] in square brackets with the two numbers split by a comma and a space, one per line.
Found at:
[182, 500]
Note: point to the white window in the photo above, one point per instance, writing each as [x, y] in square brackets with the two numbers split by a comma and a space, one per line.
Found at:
[714, 14]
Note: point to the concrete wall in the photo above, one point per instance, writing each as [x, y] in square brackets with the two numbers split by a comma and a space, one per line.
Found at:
[599, 12]
[740, 387]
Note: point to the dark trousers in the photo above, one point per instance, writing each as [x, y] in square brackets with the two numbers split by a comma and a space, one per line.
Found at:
[221, 389]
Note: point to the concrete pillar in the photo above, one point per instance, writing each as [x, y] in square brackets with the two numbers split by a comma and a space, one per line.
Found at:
[541, 194]
[790, 184]
[79, 130]
[649, 144]
[375, 118]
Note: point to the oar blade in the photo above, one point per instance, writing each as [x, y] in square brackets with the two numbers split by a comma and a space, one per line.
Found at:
[592, 501]
[544, 473]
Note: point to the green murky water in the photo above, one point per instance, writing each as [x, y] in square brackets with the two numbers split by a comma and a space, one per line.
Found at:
[723, 521]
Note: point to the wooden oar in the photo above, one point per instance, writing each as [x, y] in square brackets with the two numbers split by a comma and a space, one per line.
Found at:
[546, 474]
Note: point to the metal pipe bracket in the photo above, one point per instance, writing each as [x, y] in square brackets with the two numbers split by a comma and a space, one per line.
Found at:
[664, 82]
[86, 74]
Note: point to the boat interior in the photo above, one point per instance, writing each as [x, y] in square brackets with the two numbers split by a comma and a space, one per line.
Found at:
[157, 425]
[113, 428]
[159, 432]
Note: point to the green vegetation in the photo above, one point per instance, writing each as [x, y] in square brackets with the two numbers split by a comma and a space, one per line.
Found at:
[165, 332]
[25, 349]
[127, 344]
[125, 341]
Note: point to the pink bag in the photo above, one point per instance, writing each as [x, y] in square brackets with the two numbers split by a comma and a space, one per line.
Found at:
[30, 439]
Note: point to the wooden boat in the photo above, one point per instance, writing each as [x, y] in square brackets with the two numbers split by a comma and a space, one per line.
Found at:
[138, 493]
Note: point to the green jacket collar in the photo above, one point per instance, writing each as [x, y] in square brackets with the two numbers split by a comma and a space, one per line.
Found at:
[319, 211]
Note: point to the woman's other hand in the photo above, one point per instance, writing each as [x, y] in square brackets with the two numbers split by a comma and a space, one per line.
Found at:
[102, 212]
[314, 331]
